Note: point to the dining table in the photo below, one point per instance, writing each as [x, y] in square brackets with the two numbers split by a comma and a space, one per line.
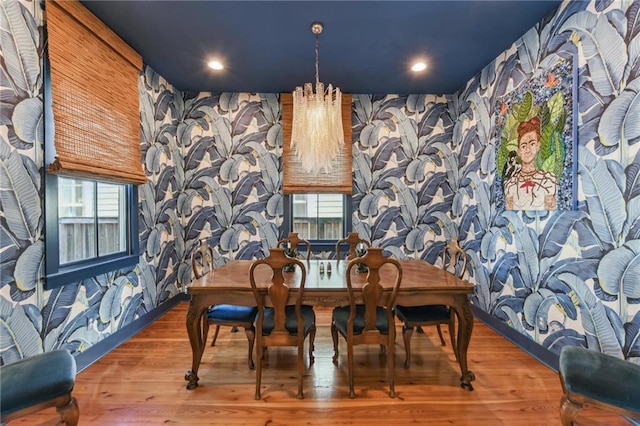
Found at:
[325, 285]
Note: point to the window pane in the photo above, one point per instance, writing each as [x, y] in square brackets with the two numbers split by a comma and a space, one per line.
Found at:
[318, 216]
[111, 218]
[76, 224]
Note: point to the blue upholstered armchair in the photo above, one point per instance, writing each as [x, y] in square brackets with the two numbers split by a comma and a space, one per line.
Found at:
[603, 381]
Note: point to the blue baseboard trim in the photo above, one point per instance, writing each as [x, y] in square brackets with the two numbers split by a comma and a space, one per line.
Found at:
[545, 356]
[103, 347]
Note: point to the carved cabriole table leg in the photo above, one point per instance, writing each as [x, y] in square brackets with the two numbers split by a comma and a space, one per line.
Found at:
[462, 309]
[195, 329]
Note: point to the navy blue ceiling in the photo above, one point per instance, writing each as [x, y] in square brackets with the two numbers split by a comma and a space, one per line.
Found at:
[366, 46]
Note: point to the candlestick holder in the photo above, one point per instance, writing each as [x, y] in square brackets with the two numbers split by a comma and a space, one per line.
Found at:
[361, 251]
[290, 253]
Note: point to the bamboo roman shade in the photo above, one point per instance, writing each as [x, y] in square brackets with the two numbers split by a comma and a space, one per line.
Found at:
[94, 86]
[296, 178]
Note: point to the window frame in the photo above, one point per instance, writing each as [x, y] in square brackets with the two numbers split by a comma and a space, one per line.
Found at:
[318, 245]
[57, 275]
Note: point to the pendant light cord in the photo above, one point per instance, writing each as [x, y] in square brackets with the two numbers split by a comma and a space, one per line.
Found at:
[317, 50]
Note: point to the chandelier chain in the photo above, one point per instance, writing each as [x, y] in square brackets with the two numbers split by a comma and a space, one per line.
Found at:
[317, 53]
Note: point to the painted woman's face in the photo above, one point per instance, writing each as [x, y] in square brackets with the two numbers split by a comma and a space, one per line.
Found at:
[528, 147]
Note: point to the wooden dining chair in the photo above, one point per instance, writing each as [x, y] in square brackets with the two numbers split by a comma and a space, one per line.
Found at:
[233, 316]
[293, 241]
[426, 315]
[282, 318]
[353, 240]
[371, 320]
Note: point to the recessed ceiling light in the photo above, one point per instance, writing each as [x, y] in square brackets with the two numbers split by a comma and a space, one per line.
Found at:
[216, 65]
[418, 66]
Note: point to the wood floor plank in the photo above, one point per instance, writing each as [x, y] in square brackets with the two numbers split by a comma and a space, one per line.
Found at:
[142, 383]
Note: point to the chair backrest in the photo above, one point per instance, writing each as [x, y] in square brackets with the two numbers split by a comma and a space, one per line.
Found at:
[202, 259]
[373, 291]
[454, 256]
[293, 241]
[353, 239]
[278, 294]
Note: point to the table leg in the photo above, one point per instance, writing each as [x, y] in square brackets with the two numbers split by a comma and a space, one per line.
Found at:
[197, 339]
[465, 327]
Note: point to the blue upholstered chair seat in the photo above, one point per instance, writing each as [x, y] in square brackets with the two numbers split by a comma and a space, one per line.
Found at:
[35, 380]
[417, 316]
[341, 315]
[422, 314]
[232, 313]
[601, 377]
[308, 317]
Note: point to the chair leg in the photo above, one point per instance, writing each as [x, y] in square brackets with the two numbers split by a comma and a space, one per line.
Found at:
[312, 339]
[334, 336]
[352, 394]
[69, 413]
[251, 337]
[452, 335]
[260, 356]
[300, 366]
[391, 365]
[215, 335]
[568, 411]
[440, 334]
[407, 332]
[205, 331]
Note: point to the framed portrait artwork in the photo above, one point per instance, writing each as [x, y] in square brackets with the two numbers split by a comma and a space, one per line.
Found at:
[535, 153]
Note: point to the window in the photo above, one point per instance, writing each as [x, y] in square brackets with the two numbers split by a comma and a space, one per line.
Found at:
[91, 228]
[91, 219]
[320, 218]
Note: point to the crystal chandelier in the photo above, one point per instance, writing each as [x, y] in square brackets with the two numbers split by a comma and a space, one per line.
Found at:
[316, 134]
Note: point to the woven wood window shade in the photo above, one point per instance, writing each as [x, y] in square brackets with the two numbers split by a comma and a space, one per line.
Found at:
[296, 178]
[94, 85]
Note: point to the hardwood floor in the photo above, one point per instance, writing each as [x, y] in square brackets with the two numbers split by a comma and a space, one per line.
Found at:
[142, 383]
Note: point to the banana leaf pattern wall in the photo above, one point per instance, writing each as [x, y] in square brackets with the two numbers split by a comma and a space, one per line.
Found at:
[404, 166]
[32, 320]
[423, 173]
[424, 168]
[214, 162]
[563, 277]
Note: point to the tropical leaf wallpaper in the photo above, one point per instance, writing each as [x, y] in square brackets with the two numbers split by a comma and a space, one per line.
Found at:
[423, 167]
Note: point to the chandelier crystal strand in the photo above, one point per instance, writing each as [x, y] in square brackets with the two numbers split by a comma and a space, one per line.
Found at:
[317, 133]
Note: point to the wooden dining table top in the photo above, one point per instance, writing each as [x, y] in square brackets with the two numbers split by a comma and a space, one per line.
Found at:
[417, 275]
